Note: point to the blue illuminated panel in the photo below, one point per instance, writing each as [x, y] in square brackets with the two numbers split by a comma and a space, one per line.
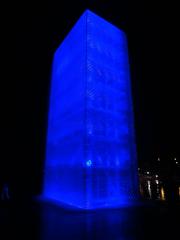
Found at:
[90, 155]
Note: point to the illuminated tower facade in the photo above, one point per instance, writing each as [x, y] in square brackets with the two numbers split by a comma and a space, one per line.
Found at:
[90, 152]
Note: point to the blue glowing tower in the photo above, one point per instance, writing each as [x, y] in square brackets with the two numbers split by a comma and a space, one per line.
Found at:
[90, 154]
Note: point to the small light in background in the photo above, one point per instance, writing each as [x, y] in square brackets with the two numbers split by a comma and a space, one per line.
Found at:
[147, 172]
[156, 176]
[89, 163]
[158, 159]
[162, 194]
[149, 189]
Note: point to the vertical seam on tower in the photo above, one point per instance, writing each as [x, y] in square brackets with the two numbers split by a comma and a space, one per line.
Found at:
[86, 37]
[85, 149]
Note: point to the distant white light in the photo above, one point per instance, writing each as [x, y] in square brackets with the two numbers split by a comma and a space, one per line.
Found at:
[157, 182]
[158, 159]
[147, 172]
[174, 159]
[176, 162]
[156, 175]
[149, 189]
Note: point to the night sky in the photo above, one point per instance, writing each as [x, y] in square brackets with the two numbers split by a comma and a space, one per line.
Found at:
[34, 33]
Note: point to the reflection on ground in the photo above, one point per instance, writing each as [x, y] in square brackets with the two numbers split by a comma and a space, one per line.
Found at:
[40, 220]
[156, 189]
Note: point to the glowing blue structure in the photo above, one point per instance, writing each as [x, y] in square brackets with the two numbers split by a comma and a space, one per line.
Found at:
[90, 155]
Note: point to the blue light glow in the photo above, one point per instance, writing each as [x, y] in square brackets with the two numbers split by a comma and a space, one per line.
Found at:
[91, 117]
[89, 163]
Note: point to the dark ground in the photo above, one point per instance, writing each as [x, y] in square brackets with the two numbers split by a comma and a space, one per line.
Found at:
[39, 220]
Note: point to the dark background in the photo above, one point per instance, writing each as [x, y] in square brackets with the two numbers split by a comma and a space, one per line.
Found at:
[35, 30]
